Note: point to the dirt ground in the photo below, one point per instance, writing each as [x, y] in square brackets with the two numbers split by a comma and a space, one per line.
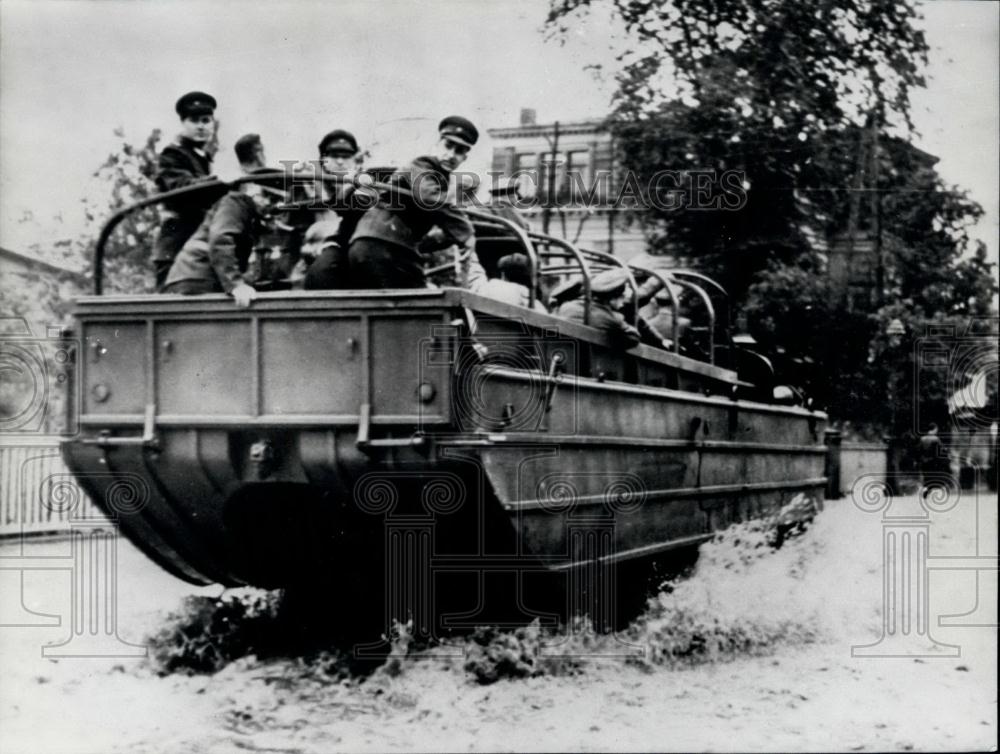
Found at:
[803, 695]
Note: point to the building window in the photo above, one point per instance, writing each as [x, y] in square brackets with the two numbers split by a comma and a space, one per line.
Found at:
[577, 175]
[526, 171]
[572, 179]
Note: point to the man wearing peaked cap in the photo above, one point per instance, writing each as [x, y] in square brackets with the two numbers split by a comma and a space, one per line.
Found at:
[565, 291]
[459, 129]
[195, 103]
[338, 140]
[386, 247]
[331, 229]
[609, 284]
[182, 164]
[609, 291]
[337, 150]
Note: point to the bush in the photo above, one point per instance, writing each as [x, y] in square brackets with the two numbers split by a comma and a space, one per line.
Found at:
[492, 653]
[207, 633]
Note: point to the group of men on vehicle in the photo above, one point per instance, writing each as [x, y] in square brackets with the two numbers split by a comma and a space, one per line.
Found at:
[342, 233]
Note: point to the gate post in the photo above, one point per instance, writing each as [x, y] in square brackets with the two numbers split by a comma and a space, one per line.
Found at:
[832, 439]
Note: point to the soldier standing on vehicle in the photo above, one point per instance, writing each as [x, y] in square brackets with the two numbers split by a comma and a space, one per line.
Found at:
[386, 247]
[183, 163]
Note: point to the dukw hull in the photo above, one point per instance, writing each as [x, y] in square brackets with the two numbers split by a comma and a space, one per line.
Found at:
[433, 430]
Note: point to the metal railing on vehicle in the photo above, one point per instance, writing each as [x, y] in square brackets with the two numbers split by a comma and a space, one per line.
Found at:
[117, 217]
[526, 239]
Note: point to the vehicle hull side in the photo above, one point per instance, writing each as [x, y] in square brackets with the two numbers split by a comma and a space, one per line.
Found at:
[304, 435]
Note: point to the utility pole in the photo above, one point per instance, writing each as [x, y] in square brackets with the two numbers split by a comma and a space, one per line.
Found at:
[876, 210]
[610, 200]
[550, 179]
[854, 210]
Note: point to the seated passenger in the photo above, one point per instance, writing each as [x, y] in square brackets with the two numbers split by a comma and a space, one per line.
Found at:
[338, 152]
[659, 313]
[643, 295]
[650, 335]
[609, 292]
[567, 290]
[385, 250]
[321, 241]
[250, 153]
[513, 285]
[217, 257]
[573, 288]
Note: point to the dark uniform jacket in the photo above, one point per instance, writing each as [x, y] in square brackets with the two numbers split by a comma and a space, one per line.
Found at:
[403, 220]
[181, 164]
[348, 201]
[220, 249]
[603, 318]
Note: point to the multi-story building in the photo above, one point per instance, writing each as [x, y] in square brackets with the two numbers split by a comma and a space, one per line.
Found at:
[569, 180]
[858, 264]
[571, 184]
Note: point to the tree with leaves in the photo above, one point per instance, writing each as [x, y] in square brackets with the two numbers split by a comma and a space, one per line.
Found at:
[809, 103]
[44, 299]
[125, 177]
[753, 86]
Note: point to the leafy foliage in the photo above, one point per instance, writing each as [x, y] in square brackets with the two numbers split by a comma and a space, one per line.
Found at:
[126, 177]
[492, 654]
[207, 633]
[45, 297]
[809, 104]
[798, 67]
[756, 87]
[123, 178]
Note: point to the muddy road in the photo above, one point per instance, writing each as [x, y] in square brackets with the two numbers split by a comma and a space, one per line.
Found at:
[784, 678]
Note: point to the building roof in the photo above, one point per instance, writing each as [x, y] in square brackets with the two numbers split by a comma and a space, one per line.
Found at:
[25, 262]
[594, 125]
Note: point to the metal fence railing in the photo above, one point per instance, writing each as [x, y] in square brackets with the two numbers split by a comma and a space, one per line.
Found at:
[38, 494]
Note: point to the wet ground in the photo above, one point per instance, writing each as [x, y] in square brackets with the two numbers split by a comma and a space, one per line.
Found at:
[805, 691]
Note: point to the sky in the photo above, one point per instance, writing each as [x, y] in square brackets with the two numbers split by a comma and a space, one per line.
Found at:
[71, 71]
